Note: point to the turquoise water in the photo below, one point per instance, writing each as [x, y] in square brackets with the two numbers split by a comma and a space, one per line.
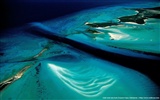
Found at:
[36, 67]
[79, 78]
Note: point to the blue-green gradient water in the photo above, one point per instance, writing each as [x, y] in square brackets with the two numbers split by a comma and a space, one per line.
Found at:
[34, 67]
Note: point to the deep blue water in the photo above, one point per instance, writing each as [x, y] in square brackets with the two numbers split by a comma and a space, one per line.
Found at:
[18, 12]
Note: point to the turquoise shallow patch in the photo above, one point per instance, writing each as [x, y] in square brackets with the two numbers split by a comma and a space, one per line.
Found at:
[83, 77]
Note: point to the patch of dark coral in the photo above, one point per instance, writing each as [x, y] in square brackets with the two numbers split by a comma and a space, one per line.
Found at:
[142, 14]
[38, 68]
[92, 31]
[134, 18]
[41, 89]
[104, 24]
